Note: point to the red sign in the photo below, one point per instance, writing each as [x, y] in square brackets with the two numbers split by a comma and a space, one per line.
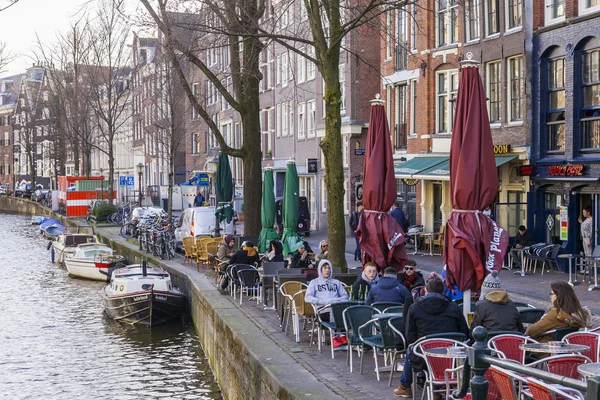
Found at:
[566, 170]
[526, 170]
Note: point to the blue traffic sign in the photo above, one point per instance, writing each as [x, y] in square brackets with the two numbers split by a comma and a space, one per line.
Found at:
[122, 180]
[130, 181]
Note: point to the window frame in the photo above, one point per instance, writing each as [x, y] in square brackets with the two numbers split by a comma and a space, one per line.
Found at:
[311, 118]
[511, 5]
[510, 93]
[302, 121]
[595, 108]
[496, 86]
[488, 17]
[549, 111]
[451, 9]
[447, 97]
[472, 24]
[585, 9]
[549, 7]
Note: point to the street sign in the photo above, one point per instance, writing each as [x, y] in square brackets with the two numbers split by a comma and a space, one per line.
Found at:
[122, 180]
[130, 181]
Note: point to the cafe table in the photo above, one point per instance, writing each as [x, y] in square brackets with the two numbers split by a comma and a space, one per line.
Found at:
[571, 257]
[521, 251]
[589, 370]
[456, 353]
[429, 238]
[550, 347]
[594, 260]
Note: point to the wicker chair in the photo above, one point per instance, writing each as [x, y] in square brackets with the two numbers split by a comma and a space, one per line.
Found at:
[189, 249]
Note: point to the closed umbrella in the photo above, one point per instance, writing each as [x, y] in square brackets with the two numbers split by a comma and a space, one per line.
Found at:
[224, 189]
[474, 244]
[267, 212]
[290, 239]
[380, 236]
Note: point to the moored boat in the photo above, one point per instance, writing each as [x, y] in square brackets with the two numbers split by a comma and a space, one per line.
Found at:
[82, 263]
[142, 295]
[67, 242]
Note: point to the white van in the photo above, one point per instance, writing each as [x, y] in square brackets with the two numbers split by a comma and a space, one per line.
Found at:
[200, 221]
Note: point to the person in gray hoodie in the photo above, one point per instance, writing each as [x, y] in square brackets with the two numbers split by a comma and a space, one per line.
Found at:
[325, 290]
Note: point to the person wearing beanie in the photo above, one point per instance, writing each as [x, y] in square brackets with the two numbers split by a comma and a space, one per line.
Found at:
[494, 310]
[226, 250]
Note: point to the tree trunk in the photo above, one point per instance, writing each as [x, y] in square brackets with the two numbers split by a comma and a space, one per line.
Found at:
[334, 166]
[170, 204]
[252, 175]
[111, 170]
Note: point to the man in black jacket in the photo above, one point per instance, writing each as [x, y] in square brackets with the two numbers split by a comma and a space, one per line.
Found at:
[432, 313]
[354, 219]
[522, 239]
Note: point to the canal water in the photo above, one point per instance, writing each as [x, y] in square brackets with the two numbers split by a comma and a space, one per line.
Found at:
[56, 342]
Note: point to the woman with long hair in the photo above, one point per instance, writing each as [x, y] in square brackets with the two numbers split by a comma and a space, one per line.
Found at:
[566, 311]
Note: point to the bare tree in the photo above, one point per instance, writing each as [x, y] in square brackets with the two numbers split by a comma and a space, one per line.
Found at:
[6, 57]
[108, 74]
[233, 24]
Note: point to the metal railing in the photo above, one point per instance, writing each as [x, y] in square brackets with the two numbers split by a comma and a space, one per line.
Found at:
[480, 359]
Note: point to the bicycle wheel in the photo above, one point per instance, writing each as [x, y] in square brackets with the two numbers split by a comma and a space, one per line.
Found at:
[117, 218]
[158, 248]
[128, 231]
[144, 241]
[171, 248]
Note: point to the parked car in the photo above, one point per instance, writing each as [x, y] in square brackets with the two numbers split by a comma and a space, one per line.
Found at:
[303, 216]
[5, 189]
[200, 221]
[39, 195]
[26, 190]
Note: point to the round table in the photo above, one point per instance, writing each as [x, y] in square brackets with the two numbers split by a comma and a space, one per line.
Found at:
[563, 348]
[386, 315]
[571, 257]
[589, 370]
[447, 352]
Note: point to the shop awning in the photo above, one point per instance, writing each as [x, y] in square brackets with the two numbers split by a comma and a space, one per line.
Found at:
[416, 165]
[441, 171]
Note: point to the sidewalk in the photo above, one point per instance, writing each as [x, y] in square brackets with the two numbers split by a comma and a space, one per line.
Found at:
[532, 288]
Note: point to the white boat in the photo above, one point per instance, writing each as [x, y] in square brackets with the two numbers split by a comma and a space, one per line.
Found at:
[66, 243]
[83, 262]
[142, 295]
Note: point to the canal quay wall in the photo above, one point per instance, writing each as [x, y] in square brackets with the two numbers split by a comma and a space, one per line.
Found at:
[247, 363]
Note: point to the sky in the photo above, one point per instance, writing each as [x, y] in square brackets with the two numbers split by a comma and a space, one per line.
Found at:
[20, 23]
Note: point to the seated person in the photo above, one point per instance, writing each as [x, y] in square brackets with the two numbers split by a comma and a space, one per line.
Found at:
[522, 239]
[246, 255]
[325, 290]
[226, 249]
[275, 253]
[365, 281]
[324, 246]
[301, 259]
[566, 311]
[389, 289]
[494, 311]
[410, 277]
[432, 313]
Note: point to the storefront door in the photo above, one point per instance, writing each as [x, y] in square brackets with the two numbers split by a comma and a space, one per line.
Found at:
[551, 221]
[437, 204]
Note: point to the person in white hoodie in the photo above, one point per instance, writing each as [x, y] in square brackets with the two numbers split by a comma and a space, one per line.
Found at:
[325, 290]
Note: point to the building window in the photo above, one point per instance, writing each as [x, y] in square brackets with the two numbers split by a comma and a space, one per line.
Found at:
[586, 6]
[291, 108]
[284, 70]
[472, 18]
[301, 67]
[388, 34]
[323, 196]
[342, 71]
[555, 11]
[413, 107]
[310, 66]
[493, 88]
[447, 22]
[556, 105]
[413, 28]
[301, 121]
[515, 89]
[492, 17]
[401, 100]
[278, 123]
[284, 119]
[514, 14]
[590, 116]
[311, 118]
[401, 39]
[195, 143]
[446, 88]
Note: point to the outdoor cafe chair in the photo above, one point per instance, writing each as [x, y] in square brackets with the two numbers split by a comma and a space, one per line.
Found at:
[531, 315]
[562, 364]
[335, 325]
[589, 339]
[234, 279]
[248, 280]
[188, 249]
[507, 346]
[354, 317]
[302, 310]
[383, 305]
[379, 335]
[287, 291]
[522, 305]
[544, 391]
[396, 324]
[531, 251]
[280, 303]
[508, 384]
[440, 372]
[560, 333]
[394, 310]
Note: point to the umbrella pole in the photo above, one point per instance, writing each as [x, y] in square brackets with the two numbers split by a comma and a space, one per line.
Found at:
[467, 304]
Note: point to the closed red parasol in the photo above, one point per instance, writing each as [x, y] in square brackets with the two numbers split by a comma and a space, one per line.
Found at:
[474, 243]
[381, 237]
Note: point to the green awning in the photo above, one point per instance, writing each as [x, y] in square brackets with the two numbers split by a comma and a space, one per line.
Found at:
[441, 171]
[415, 165]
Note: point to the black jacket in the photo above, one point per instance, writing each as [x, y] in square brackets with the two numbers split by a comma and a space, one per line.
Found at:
[359, 289]
[354, 219]
[497, 313]
[419, 281]
[524, 240]
[278, 257]
[297, 262]
[434, 313]
[242, 257]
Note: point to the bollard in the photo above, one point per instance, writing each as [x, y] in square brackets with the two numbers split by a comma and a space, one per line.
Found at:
[479, 385]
